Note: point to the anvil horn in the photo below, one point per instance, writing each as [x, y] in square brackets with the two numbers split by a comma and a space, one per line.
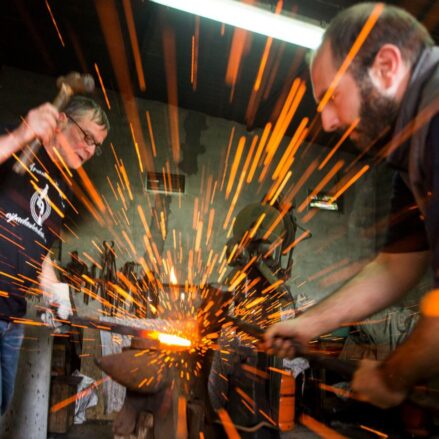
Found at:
[140, 371]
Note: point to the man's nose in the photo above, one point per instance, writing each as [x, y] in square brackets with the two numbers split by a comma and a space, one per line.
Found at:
[89, 150]
[330, 120]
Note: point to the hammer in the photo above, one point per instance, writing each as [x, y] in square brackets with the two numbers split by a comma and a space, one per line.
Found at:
[68, 85]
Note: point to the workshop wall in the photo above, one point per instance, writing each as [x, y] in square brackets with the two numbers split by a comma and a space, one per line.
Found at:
[341, 242]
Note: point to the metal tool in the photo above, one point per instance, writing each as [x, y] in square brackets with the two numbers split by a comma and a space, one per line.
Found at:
[165, 332]
[345, 368]
[419, 395]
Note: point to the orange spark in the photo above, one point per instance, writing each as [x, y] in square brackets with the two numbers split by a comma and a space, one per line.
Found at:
[111, 28]
[91, 189]
[281, 188]
[228, 425]
[134, 43]
[257, 225]
[235, 165]
[55, 24]
[114, 154]
[2, 273]
[112, 187]
[181, 432]
[151, 134]
[195, 47]
[255, 371]
[55, 408]
[25, 167]
[303, 236]
[71, 231]
[340, 142]
[288, 156]
[336, 390]
[210, 225]
[263, 64]
[232, 133]
[320, 429]
[104, 91]
[130, 244]
[265, 415]
[258, 154]
[122, 198]
[11, 241]
[127, 182]
[171, 82]
[378, 433]
[61, 160]
[143, 219]
[237, 49]
[346, 186]
[93, 261]
[136, 147]
[295, 95]
[295, 189]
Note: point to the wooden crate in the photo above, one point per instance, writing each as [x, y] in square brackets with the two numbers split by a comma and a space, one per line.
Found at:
[61, 389]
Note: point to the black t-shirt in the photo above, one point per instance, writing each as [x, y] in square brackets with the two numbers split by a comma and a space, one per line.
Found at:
[408, 230]
[31, 212]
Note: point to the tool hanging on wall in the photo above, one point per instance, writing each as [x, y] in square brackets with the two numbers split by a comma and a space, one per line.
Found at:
[108, 274]
[131, 280]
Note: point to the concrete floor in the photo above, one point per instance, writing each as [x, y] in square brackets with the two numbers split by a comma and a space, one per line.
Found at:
[103, 431]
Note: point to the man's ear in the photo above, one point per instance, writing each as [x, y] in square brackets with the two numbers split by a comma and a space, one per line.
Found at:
[62, 120]
[387, 68]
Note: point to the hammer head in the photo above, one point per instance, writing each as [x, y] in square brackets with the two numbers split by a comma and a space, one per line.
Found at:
[77, 82]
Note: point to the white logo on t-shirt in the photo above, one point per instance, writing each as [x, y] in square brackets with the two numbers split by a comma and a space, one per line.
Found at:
[39, 206]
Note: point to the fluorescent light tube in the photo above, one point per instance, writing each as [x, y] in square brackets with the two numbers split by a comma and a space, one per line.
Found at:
[253, 19]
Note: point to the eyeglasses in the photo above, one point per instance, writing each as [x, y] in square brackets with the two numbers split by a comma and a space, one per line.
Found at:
[88, 138]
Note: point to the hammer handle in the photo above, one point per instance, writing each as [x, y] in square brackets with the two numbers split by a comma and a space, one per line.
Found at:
[422, 397]
[29, 152]
[345, 368]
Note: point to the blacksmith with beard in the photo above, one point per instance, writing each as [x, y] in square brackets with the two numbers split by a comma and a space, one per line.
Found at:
[391, 88]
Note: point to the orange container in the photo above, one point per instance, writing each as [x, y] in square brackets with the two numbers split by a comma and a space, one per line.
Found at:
[287, 403]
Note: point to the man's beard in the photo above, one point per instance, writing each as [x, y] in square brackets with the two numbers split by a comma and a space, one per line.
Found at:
[377, 116]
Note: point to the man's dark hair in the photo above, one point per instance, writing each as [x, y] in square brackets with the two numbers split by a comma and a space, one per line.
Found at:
[79, 106]
[394, 26]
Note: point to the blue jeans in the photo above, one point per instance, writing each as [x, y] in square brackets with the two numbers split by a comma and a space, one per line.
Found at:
[11, 337]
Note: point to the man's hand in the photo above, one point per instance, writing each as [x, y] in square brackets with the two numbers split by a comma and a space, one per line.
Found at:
[40, 122]
[60, 299]
[282, 338]
[369, 385]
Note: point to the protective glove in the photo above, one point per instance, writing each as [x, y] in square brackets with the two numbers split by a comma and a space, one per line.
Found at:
[60, 299]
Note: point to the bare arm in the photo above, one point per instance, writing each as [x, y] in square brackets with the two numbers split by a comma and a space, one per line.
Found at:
[379, 284]
[48, 276]
[41, 122]
[56, 292]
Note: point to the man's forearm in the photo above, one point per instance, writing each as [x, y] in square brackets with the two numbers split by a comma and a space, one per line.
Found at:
[379, 284]
[40, 123]
[10, 144]
[48, 275]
